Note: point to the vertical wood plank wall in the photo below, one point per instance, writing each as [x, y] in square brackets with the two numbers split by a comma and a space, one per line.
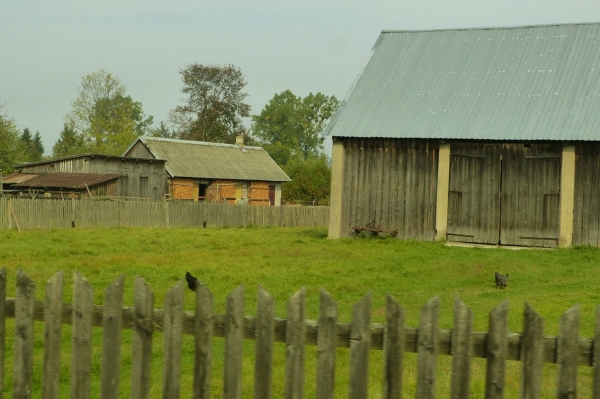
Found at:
[586, 212]
[392, 184]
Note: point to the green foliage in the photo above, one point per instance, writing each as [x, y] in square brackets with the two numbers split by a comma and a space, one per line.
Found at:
[69, 143]
[215, 104]
[12, 149]
[34, 149]
[311, 181]
[162, 131]
[290, 126]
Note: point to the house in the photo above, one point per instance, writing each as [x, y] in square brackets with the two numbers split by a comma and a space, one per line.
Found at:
[485, 136]
[214, 172]
[104, 175]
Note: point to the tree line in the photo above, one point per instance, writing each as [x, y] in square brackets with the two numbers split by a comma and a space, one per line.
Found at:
[104, 119]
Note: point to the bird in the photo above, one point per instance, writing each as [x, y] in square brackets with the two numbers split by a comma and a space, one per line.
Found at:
[501, 280]
[192, 281]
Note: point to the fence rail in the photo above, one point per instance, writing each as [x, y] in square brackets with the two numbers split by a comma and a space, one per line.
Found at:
[497, 345]
[31, 214]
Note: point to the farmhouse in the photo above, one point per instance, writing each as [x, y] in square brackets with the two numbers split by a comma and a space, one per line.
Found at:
[473, 135]
[214, 172]
[89, 175]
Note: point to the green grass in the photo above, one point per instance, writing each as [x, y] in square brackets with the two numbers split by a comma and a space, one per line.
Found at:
[282, 260]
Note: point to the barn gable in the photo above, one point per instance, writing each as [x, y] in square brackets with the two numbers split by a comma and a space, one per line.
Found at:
[509, 117]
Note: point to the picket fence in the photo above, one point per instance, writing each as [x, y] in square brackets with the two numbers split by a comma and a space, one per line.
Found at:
[31, 214]
[531, 347]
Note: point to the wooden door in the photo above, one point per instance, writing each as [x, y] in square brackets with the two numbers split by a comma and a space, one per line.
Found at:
[474, 193]
[530, 194]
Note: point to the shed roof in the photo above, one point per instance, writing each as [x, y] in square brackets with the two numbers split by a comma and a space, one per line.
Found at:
[68, 180]
[519, 83]
[88, 155]
[17, 177]
[197, 159]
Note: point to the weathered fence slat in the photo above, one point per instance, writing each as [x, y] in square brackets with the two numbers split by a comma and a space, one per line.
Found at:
[234, 336]
[326, 343]
[427, 349]
[496, 352]
[596, 356]
[52, 336]
[2, 326]
[461, 346]
[393, 349]
[143, 328]
[532, 347]
[263, 360]
[203, 336]
[360, 343]
[295, 337]
[567, 353]
[81, 352]
[172, 342]
[111, 339]
[23, 346]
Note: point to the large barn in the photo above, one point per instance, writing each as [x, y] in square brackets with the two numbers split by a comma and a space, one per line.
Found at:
[487, 136]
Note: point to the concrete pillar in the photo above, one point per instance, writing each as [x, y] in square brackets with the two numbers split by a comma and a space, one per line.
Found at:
[337, 184]
[567, 196]
[443, 182]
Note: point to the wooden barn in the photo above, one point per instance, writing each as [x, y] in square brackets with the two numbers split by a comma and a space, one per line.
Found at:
[60, 185]
[136, 178]
[214, 172]
[487, 136]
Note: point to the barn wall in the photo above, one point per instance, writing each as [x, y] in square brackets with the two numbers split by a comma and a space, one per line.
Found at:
[139, 150]
[586, 212]
[391, 184]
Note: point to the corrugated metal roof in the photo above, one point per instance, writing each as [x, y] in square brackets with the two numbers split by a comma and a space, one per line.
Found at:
[522, 83]
[199, 159]
[68, 180]
[87, 155]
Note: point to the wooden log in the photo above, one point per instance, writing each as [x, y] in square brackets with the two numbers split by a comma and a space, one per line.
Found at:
[143, 328]
[23, 344]
[461, 350]
[533, 352]
[567, 354]
[81, 348]
[596, 356]
[111, 339]
[2, 326]
[263, 359]
[234, 335]
[295, 337]
[496, 352]
[203, 336]
[427, 349]
[172, 342]
[360, 343]
[52, 336]
[393, 349]
[326, 343]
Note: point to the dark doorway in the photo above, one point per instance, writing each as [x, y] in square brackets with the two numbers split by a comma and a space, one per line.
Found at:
[202, 192]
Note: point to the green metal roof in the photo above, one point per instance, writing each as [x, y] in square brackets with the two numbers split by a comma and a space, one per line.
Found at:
[186, 158]
[521, 83]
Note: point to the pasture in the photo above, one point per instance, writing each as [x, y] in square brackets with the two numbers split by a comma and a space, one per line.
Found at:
[282, 260]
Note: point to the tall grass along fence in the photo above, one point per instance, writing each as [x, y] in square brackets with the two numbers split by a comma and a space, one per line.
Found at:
[531, 347]
[29, 214]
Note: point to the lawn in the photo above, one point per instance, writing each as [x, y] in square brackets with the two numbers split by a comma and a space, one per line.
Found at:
[282, 260]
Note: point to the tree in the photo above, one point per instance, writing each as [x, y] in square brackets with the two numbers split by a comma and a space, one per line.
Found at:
[290, 126]
[38, 146]
[34, 149]
[162, 131]
[104, 116]
[214, 106]
[69, 143]
[311, 180]
[12, 149]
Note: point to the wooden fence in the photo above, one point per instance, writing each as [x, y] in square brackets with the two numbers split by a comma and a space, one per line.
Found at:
[497, 345]
[30, 214]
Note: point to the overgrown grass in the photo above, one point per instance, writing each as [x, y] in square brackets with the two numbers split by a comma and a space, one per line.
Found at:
[283, 260]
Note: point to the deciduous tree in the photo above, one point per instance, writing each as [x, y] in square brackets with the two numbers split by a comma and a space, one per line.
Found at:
[311, 180]
[12, 149]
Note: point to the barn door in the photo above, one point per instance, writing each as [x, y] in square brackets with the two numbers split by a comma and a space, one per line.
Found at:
[474, 193]
[530, 194]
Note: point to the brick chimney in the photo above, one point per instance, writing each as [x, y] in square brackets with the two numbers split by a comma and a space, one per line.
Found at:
[239, 140]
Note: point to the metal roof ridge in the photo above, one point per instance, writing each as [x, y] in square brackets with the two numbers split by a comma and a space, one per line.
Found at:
[204, 143]
[487, 28]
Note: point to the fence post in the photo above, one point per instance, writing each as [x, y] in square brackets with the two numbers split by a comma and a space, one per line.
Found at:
[393, 349]
[143, 328]
[360, 344]
[2, 326]
[172, 336]
[52, 336]
[496, 350]
[23, 346]
[81, 352]
[461, 348]
[263, 364]
[111, 339]
[234, 336]
[567, 354]
[532, 347]
[295, 338]
[596, 345]
[166, 210]
[203, 331]
[427, 349]
[326, 344]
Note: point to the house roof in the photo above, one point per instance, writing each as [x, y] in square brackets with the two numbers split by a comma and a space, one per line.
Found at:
[520, 83]
[199, 159]
[68, 180]
[17, 177]
[87, 155]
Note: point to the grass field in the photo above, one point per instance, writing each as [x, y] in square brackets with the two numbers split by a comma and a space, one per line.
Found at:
[283, 260]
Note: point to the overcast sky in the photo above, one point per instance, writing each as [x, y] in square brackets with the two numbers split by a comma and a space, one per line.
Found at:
[306, 46]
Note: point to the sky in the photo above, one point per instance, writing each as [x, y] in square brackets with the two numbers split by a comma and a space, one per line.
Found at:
[307, 46]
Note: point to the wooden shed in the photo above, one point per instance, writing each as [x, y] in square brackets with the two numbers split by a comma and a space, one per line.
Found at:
[60, 185]
[487, 136]
[215, 172]
[138, 178]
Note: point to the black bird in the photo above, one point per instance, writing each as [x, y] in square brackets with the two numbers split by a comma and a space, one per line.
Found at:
[192, 281]
[501, 280]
